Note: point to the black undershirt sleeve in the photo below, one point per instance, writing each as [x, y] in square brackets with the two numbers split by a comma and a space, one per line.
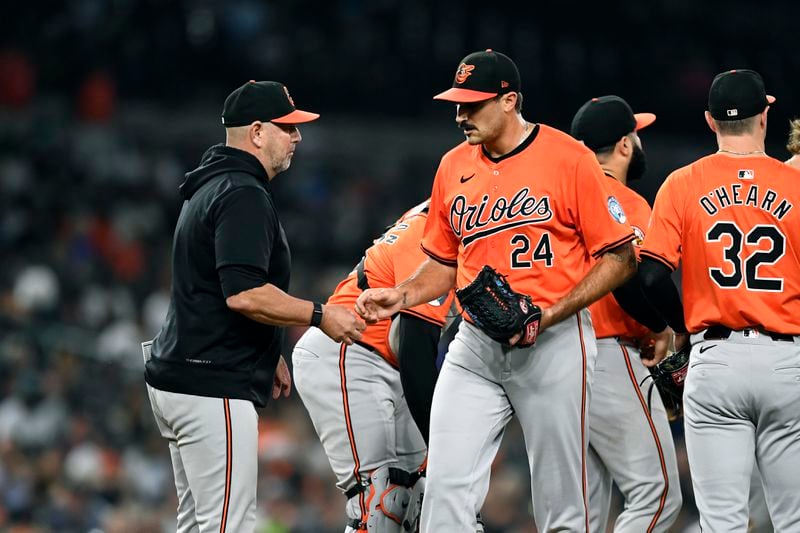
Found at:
[240, 278]
[658, 287]
[630, 297]
[417, 351]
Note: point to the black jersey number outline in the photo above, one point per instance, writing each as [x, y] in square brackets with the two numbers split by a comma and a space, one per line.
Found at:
[542, 252]
[747, 268]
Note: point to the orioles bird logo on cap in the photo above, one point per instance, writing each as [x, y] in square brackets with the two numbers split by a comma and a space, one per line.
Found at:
[464, 71]
[287, 95]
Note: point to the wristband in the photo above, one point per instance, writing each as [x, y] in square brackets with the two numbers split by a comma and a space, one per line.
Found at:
[316, 315]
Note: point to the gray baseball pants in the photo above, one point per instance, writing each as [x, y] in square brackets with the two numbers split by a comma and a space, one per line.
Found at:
[213, 444]
[742, 399]
[481, 386]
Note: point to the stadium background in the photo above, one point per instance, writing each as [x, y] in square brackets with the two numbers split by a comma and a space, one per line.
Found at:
[105, 104]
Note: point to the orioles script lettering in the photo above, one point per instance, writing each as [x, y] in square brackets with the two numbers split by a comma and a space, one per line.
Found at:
[471, 222]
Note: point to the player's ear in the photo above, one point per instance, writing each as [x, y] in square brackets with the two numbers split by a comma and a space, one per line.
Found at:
[509, 101]
[710, 122]
[624, 146]
[257, 134]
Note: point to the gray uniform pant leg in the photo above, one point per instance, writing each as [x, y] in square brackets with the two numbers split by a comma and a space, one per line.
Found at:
[633, 443]
[759, 514]
[356, 403]
[600, 489]
[481, 385]
[741, 401]
[778, 434]
[213, 444]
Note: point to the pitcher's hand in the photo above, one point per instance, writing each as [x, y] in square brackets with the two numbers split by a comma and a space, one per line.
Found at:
[378, 304]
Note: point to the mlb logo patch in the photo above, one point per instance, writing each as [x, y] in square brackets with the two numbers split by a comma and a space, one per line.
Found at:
[746, 174]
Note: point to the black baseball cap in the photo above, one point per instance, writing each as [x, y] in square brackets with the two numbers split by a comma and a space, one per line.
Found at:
[737, 94]
[603, 121]
[266, 101]
[480, 76]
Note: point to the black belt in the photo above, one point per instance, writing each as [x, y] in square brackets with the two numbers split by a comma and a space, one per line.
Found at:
[723, 332]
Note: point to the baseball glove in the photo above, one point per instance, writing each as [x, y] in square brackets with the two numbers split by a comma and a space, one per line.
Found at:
[500, 312]
[668, 377]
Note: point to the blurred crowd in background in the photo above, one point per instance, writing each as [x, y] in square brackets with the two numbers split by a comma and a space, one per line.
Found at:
[105, 104]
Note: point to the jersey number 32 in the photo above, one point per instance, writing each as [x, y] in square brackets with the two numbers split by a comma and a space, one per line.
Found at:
[746, 268]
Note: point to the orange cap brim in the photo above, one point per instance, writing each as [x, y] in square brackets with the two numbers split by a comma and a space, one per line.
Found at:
[463, 96]
[296, 117]
[770, 99]
[643, 120]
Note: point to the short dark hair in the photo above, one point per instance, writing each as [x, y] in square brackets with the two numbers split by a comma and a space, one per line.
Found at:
[737, 127]
[605, 151]
[793, 145]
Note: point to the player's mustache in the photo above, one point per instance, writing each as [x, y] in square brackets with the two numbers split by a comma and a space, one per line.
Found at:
[466, 126]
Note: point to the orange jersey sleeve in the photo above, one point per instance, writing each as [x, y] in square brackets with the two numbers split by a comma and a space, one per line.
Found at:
[732, 225]
[393, 257]
[438, 240]
[608, 318]
[536, 215]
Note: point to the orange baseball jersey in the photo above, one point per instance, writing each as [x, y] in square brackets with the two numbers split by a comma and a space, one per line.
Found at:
[393, 258]
[733, 225]
[536, 214]
[608, 318]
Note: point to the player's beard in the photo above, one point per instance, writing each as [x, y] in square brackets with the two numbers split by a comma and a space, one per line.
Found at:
[638, 165]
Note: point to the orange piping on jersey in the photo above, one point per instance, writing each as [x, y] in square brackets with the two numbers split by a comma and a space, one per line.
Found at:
[584, 477]
[647, 415]
[658, 258]
[349, 423]
[228, 464]
[613, 245]
[448, 262]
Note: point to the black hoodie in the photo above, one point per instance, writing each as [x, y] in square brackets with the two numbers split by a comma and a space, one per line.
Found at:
[228, 218]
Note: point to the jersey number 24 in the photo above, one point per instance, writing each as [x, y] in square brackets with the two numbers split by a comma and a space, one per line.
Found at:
[543, 251]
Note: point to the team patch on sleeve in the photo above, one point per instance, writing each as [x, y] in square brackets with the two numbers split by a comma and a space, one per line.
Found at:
[616, 210]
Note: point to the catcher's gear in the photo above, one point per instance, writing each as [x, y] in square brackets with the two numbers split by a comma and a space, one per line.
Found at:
[668, 377]
[500, 312]
[393, 500]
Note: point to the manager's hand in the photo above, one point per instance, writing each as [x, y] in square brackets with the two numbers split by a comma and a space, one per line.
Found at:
[282, 382]
[341, 324]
